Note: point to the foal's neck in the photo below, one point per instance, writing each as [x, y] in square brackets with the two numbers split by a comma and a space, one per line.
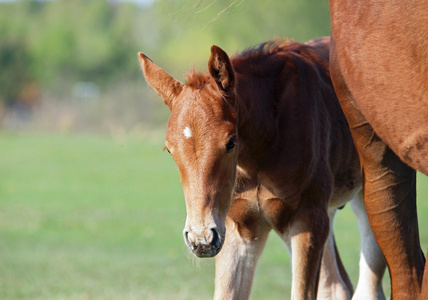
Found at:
[256, 122]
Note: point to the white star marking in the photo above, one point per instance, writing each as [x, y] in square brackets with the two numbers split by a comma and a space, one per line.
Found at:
[187, 132]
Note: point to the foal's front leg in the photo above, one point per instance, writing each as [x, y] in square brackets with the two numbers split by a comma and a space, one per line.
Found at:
[308, 234]
[246, 236]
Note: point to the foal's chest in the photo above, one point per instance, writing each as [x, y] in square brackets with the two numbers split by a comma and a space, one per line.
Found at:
[255, 203]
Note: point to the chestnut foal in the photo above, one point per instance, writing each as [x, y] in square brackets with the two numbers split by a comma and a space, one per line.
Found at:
[261, 143]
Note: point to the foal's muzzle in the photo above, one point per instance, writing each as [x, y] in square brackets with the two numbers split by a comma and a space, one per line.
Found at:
[203, 243]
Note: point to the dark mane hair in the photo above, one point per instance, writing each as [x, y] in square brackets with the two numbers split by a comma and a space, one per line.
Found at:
[198, 80]
[266, 48]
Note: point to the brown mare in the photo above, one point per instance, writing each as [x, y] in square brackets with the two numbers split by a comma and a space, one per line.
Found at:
[261, 143]
[379, 68]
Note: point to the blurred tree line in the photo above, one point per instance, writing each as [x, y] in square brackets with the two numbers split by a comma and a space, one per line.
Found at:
[48, 46]
[57, 42]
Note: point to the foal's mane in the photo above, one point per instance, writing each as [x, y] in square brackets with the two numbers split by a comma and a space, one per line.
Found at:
[263, 49]
[199, 80]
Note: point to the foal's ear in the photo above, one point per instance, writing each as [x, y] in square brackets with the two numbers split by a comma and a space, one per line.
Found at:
[166, 86]
[221, 69]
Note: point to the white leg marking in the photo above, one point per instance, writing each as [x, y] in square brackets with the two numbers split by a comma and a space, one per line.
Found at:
[372, 261]
[236, 263]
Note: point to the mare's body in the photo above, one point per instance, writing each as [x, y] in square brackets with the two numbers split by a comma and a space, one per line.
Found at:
[379, 68]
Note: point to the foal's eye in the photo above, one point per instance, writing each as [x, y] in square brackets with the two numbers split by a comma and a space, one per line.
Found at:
[231, 144]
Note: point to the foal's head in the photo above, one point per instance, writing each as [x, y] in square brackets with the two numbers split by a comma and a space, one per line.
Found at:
[202, 139]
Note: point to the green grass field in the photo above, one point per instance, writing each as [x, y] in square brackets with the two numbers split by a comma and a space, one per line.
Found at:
[90, 217]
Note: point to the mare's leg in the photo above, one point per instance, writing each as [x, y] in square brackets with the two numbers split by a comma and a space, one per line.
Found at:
[372, 262]
[308, 233]
[246, 236]
[390, 199]
[334, 282]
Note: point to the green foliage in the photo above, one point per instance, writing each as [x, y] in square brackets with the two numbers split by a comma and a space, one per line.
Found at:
[81, 40]
[57, 43]
[185, 30]
[62, 42]
[14, 64]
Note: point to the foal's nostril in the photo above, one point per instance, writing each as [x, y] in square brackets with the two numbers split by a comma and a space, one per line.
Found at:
[215, 238]
[186, 238]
